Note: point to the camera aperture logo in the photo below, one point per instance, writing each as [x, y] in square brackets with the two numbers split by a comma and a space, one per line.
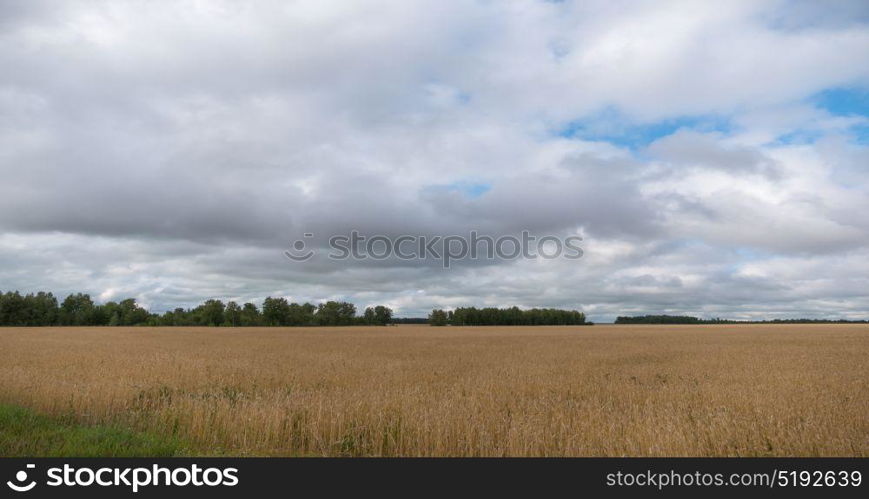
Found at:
[20, 484]
[133, 477]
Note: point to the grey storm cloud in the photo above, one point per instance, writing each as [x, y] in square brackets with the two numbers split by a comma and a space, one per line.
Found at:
[171, 151]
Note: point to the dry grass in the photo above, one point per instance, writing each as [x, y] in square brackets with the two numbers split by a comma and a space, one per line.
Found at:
[744, 390]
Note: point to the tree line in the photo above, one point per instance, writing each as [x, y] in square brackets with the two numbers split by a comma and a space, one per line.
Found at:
[79, 309]
[662, 319]
[513, 316]
[687, 319]
[410, 320]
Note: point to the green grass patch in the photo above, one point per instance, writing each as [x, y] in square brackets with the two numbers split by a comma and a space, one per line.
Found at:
[24, 433]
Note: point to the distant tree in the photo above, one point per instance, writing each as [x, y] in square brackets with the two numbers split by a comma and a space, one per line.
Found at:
[232, 315]
[132, 314]
[177, 317]
[99, 316]
[76, 310]
[276, 312]
[346, 313]
[658, 319]
[513, 316]
[333, 313]
[437, 318]
[106, 311]
[301, 315]
[368, 317]
[250, 316]
[12, 309]
[382, 315]
[42, 309]
[212, 312]
[410, 320]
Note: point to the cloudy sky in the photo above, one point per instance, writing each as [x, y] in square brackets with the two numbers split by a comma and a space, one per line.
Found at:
[713, 156]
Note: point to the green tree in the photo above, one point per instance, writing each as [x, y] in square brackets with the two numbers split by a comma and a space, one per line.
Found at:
[212, 312]
[301, 315]
[232, 315]
[12, 309]
[43, 309]
[250, 315]
[131, 314]
[333, 313]
[382, 315]
[76, 310]
[437, 317]
[368, 317]
[276, 312]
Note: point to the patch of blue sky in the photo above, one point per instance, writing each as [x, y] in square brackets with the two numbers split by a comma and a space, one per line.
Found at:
[843, 101]
[469, 189]
[797, 137]
[848, 102]
[861, 134]
[611, 126]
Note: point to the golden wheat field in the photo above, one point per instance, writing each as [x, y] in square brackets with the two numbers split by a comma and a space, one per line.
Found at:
[727, 390]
